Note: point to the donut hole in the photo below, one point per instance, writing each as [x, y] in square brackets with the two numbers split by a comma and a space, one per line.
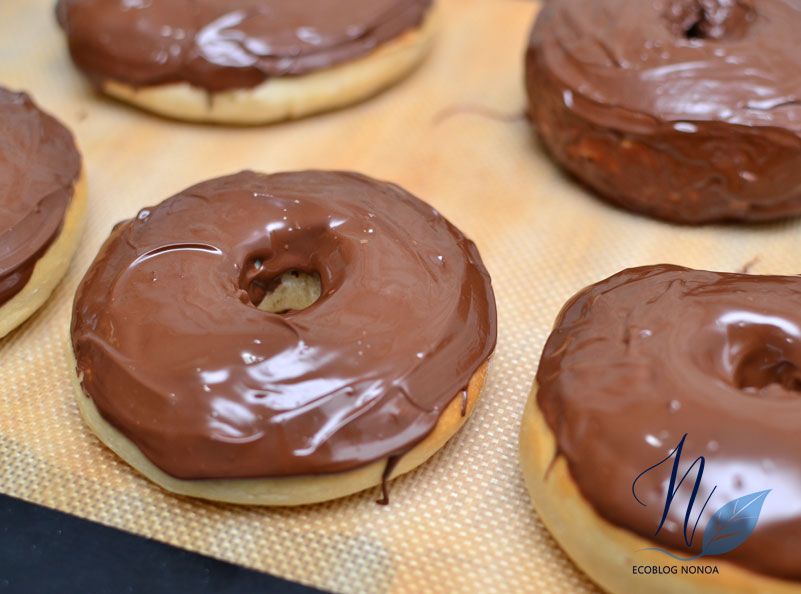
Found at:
[710, 19]
[695, 31]
[293, 290]
[766, 365]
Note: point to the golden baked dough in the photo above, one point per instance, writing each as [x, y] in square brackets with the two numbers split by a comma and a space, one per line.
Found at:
[50, 268]
[296, 290]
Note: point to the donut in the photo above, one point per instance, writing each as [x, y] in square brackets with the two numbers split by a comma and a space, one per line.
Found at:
[660, 443]
[245, 61]
[42, 206]
[683, 110]
[188, 375]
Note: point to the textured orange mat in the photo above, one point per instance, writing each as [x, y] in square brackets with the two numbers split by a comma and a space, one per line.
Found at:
[462, 522]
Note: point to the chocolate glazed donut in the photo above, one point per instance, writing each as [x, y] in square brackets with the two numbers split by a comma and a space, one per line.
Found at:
[42, 206]
[246, 61]
[642, 359]
[39, 166]
[226, 44]
[686, 110]
[175, 354]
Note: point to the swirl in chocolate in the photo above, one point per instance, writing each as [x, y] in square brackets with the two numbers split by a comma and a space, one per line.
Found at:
[174, 353]
[39, 165]
[226, 44]
[640, 359]
[688, 110]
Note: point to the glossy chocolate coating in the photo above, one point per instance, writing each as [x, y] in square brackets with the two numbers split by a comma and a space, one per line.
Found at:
[687, 110]
[175, 354]
[640, 359]
[226, 44]
[39, 165]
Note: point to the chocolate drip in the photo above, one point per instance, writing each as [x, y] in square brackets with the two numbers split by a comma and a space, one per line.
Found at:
[39, 165]
[392, 462]
[551, 465]
[176, 355]
[651, 354]
[226, 44]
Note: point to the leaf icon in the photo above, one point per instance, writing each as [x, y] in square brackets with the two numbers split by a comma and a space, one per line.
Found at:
[733, 523]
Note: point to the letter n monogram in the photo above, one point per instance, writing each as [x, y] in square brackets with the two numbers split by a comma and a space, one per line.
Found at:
[673, 488]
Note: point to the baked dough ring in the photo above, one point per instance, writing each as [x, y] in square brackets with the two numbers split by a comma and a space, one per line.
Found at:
[50, 268]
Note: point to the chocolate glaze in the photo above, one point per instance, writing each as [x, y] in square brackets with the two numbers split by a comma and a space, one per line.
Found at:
[39, 165]
[175, 354]
[687, 110]
[226, 44]
[640, 359]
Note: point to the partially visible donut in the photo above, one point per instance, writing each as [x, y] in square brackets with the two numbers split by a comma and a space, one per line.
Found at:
[181, 371]
[42, 206]
[245, 61]
[658, 360]
[685, 110]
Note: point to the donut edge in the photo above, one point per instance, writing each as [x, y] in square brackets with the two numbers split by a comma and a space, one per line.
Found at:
[286, 98]
[50, 269]
[281, 491]
[601, 549]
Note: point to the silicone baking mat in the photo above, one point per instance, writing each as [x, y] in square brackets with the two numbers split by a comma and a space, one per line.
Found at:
[452, 133]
